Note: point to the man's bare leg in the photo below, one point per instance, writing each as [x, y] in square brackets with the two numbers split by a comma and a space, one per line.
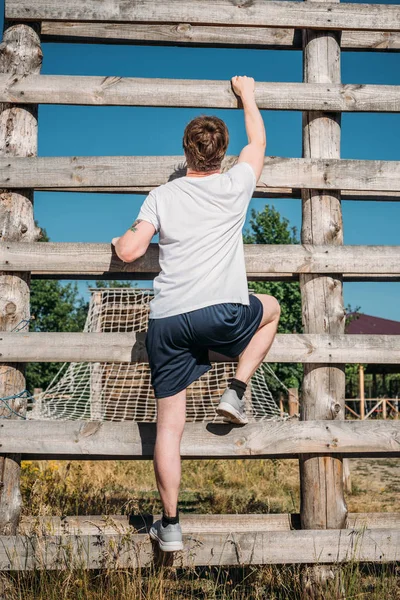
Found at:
[255, 352]
[171, 415]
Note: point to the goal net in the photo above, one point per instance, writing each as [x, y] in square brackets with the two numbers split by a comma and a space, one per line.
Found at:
[115, 391]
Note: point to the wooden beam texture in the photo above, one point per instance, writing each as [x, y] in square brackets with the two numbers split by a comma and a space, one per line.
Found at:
[104, 171]
[68, 89]
[78, 258]
[273, 192]
[191, 523]
[185, 34]
[20, 55]
[129, 347]
[374, 17]
[128, 439]
[115, 551]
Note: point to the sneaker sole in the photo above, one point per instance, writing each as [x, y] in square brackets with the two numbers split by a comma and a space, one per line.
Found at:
[166, 546]
[224, 409]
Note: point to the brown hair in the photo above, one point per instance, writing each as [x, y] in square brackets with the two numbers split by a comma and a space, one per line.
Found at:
[205, 141]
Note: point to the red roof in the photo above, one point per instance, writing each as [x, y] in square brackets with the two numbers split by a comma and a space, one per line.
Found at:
[368, 324]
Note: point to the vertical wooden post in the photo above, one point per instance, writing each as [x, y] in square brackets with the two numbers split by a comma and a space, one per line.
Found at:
[347, 475]
[37, 406]
[323, 394]
[20, 55]
[384, 408]
[281, 409]
[362, 392]
[96, 369]
[293, 401]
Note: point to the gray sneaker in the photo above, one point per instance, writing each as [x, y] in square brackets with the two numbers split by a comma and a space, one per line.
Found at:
[169, 538]
[232, 407]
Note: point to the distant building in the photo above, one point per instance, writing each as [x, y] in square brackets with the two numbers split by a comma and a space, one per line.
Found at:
[379, 384]
[367, 324]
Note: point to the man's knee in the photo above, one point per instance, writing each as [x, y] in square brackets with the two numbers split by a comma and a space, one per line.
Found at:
[271, 307]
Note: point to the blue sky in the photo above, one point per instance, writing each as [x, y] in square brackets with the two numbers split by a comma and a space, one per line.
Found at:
[85, 131]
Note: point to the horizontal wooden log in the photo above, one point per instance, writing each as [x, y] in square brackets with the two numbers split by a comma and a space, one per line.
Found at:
[185, 34]
[375, 17]
[191, 523]
[121, 91]
[282, 277]
[130, 347]
[273, 192]
[95, 260]
[131, 440]
[114, 551]
[104, 171]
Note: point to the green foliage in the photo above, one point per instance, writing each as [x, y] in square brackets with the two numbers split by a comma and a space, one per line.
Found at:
[55, 306]
[269, 227]
[115, 284]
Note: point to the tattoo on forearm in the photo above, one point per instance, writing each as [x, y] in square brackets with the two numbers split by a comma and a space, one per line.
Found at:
[133, 226]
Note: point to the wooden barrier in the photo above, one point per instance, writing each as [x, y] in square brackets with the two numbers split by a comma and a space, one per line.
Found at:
[321, 178]
[330, 15]
[186, 34]
[125, 91]
[276, 262]
[385, 405]
[130, 347]
[55, 172]
[191, 523]
[130, 440]
[116, 551]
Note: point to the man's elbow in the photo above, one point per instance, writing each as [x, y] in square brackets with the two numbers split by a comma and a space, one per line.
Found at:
[262, 143]
[129, 255]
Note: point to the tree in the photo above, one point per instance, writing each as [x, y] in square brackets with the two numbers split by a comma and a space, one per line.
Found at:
[114, 284]
[269, 227]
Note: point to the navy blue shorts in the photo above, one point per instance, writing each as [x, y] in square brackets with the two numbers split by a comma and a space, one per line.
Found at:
[177, 346]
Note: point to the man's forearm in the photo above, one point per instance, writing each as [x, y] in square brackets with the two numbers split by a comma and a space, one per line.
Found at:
[254, 123]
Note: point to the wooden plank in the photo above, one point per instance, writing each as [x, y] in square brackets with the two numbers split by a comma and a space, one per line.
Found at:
[273, 192]
[185, 34]
[127, 91]
[115, 551]
[375, 17]
[128, 439]
[102, 171]
[21, 55]
[130, 347]
[191, 523]
[92, 259]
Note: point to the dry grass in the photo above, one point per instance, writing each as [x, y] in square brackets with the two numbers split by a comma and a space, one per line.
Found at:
[249, 583]
[210, 486]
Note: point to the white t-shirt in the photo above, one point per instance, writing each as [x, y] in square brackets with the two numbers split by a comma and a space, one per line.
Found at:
[200, 221]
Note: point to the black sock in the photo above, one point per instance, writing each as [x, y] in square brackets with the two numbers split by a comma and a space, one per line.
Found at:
[238, 386]
[170, 520]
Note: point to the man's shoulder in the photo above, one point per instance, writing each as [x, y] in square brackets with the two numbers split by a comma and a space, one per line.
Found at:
[165, 187]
